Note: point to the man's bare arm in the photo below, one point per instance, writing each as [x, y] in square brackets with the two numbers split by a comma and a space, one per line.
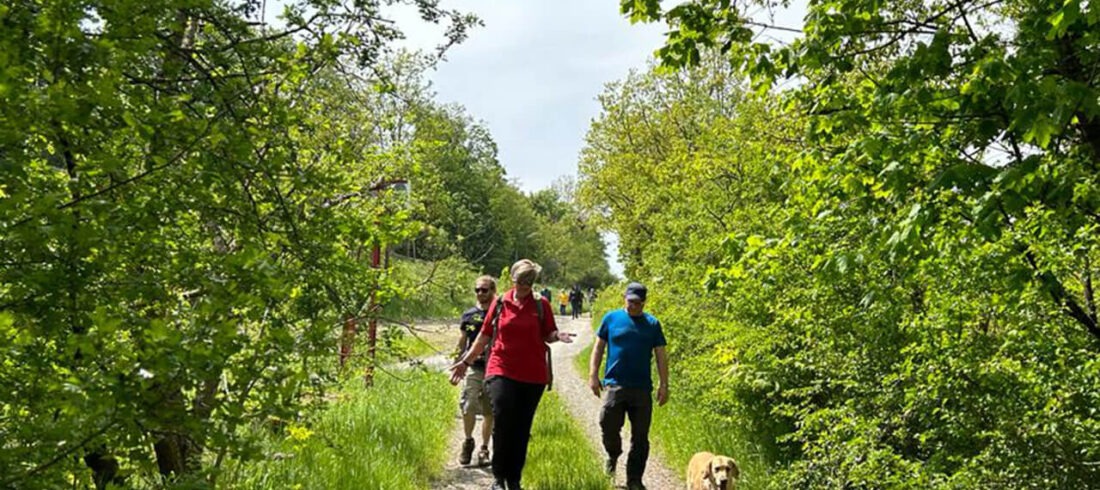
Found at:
[594, 366]
[662, 374]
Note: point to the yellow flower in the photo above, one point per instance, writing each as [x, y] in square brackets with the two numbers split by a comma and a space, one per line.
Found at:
[299, 433]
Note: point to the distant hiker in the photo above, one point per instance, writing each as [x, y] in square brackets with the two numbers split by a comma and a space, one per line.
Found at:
[631, 336]
[592, 300]
[563, 301]
[518, 327]
[474, 400]
[546, 294]
[576, 299]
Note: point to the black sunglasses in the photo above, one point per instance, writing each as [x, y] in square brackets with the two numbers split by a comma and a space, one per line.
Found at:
[482, 290]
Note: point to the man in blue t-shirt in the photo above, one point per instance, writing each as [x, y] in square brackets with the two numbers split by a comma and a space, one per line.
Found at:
[631, 337]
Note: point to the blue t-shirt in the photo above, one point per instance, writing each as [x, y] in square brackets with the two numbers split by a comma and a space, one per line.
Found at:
[630, 343]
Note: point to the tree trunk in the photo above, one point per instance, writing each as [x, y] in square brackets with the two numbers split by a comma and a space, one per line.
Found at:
[104, 468]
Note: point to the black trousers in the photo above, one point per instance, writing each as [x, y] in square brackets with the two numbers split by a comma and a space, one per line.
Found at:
[619, 403]
[514, 404]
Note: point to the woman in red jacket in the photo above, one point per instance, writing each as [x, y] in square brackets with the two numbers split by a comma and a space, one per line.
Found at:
[517, 371]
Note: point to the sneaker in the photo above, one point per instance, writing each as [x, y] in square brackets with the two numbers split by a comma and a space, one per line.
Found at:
[467, 451]
[634, 485]
[483, 456]
[609, 466]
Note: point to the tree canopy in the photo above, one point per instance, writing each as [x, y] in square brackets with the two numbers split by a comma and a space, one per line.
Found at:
[881, 235]
[189, 196]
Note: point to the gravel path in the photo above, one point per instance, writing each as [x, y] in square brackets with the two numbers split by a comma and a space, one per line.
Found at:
[572, 388]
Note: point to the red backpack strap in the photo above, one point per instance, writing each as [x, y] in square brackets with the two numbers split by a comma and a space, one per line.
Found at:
[549, 362]
[494, 320]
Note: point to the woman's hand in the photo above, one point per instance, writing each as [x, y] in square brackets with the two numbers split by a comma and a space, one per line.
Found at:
[458, 371]
[566, 337]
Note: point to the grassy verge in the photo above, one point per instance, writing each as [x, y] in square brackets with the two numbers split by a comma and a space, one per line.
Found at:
[391, 436]
[582, 359]
[402, 345]
[440, 289]
[682, 428]
[560, 456]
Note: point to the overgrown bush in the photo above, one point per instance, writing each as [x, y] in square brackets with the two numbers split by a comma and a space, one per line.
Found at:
[856, 309]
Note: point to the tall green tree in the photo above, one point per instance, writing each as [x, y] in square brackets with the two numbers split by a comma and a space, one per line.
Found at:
[472, 210]
[570, 247]
[180, 224]
[997, 103]
[920, 313]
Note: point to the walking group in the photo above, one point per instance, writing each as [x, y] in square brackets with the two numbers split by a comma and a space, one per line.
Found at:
[572, 299]
[505, 362]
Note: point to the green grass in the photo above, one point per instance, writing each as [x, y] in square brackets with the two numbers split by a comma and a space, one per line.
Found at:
[581, 361]
[605, 303]
[440, 289]
[403, 345]
[682, 428]
[560, 457]
[391, 436]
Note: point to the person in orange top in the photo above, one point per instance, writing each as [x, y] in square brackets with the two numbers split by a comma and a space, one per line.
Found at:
[516, 371]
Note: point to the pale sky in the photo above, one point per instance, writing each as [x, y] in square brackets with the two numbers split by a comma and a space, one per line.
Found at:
[531, 74]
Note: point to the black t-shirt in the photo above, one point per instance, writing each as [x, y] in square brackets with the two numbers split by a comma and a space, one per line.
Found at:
[471, 325]
[575, 296]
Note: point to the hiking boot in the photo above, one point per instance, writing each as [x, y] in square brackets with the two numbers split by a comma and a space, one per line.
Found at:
[634, 485]
[467, 451]
[609, 466]
[483, 456]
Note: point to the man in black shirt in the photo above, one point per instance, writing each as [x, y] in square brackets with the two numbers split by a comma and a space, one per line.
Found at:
[576, 299]
[474, 399]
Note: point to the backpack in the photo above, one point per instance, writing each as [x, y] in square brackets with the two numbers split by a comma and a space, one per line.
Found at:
[493, 338]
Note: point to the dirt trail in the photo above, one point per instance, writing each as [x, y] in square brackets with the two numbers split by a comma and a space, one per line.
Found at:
[572, 388]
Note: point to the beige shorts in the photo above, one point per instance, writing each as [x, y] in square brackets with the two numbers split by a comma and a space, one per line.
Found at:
[475, 399]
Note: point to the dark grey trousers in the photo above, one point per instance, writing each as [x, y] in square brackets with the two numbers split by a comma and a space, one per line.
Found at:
[637, 404]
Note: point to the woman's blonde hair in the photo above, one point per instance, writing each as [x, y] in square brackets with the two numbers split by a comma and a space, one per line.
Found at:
[525, 271]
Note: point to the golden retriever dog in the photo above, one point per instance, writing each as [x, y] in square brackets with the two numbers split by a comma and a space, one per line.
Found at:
[708, 471]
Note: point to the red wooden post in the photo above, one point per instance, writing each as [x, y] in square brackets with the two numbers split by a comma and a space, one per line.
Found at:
[347, 339]
[372, 322]
[372, 306]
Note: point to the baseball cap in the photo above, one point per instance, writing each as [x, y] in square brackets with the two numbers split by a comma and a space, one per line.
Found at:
[635, 291]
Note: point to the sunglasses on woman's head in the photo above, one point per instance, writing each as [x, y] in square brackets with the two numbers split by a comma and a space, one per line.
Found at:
[482, 290]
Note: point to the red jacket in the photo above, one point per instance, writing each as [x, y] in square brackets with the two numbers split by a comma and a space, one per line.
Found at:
[519, 351]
